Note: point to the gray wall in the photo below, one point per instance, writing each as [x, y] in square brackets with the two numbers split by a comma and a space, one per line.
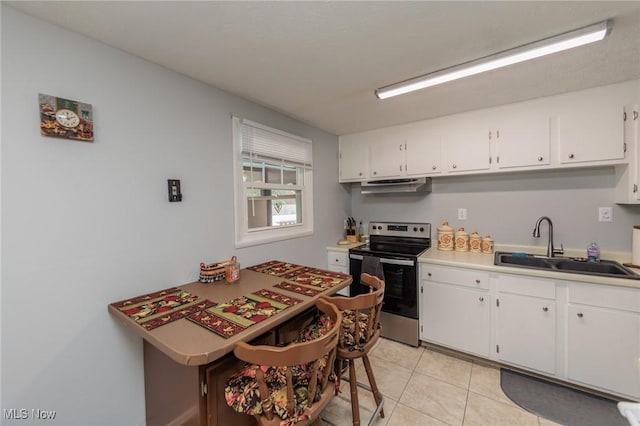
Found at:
[86, 224]
[507, 206]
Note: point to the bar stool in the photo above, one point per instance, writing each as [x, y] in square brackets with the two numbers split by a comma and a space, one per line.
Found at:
[292, 384]
[359, 333]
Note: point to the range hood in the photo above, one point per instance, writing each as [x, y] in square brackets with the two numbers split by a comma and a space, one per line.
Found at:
[396, 186]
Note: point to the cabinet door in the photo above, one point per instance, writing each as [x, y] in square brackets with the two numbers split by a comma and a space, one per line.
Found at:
[603, 349]
[456, 317]
[526, 331]
[467, 147]
[423, 154]
[591, 131]
[353, 158]
[522, 140]
[388, 153]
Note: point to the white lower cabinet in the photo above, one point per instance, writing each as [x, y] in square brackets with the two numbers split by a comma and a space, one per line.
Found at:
[587, 334]
[456, 308]
[456, 317]
[338, 261]
[603, 338]
[526, 322]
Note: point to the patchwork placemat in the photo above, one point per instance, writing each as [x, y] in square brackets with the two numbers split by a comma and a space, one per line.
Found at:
[320, 279]
[162, 307]
[301, 289]
[278, 268]
[230, 318]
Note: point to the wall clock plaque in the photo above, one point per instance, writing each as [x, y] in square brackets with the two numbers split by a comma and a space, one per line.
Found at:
[64, 118]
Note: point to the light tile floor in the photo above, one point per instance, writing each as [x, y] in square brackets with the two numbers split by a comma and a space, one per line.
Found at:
[423, 387]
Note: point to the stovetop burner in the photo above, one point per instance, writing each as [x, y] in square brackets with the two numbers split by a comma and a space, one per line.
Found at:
[396, 239]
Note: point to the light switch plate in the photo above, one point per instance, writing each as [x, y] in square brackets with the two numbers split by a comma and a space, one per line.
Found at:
[175, 195]
[462, 214]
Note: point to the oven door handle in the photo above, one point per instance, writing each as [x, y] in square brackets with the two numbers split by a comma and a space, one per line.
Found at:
[397, 262]
[387, 261]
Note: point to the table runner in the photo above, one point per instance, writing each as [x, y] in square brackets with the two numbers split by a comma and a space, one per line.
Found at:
[230, 318]
[161, 307]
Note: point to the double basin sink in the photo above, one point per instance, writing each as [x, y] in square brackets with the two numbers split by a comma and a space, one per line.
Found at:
[603, 268]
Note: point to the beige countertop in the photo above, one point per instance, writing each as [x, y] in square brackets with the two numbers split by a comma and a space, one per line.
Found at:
[485, 262]
[344, 247]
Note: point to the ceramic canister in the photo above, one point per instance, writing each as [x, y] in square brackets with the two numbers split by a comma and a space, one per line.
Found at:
[462, 240]
[487, 244]
[445, 237]
[475, 242]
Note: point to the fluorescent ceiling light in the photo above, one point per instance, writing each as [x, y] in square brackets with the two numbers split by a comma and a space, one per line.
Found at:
[533, 50]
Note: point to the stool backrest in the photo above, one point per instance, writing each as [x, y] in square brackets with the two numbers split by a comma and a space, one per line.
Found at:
[361, 315]
[319, 354]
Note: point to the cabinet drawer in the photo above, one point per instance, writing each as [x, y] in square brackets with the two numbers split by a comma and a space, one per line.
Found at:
[458, 276]
[627, 299]
[528, 286]
[337, 259]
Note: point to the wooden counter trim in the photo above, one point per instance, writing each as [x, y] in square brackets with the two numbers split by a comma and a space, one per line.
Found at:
[190, 344]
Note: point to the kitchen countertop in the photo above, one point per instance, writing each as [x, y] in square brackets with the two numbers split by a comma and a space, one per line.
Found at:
[344, 247]
[485, 262]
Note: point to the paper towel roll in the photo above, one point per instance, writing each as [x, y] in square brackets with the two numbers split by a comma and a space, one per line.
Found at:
[635, 246]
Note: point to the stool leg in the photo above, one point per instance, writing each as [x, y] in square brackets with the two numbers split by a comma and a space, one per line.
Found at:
[372, 382]
[353, 384]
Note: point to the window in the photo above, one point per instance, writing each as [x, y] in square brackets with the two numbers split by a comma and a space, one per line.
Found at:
[273, 184]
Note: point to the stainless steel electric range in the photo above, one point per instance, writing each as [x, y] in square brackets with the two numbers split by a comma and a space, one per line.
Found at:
[397, 245]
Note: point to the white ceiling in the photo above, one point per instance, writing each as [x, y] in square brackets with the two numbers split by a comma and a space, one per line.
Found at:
[320, 62]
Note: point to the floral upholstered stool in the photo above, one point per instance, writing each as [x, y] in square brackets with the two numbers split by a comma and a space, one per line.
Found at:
[288, 385]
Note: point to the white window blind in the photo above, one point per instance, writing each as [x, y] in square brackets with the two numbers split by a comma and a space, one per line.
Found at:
[262, 143]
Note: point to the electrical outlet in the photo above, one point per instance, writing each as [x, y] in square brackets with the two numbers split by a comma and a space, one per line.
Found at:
[605, 214]
[462, 214]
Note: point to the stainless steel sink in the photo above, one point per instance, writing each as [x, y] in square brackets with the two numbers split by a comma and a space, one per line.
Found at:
[605, 268]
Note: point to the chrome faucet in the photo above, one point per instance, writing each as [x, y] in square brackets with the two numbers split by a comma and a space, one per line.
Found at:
[551, 251]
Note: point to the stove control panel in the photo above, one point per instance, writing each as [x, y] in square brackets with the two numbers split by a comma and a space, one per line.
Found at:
[420, 230]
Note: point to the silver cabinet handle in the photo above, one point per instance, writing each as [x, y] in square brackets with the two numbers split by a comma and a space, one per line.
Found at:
[580, 314]
[540, 158]
[433, 167]
[545, 309]
[477, 281]
[375, 173]
[428, 274]
[360, 174]
[481, 299]
[454, 166]
[571, 155]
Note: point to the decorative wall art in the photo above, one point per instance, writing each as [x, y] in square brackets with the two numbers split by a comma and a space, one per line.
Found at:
[65, 118]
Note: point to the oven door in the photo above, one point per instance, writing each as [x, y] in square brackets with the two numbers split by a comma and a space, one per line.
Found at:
[401, 289]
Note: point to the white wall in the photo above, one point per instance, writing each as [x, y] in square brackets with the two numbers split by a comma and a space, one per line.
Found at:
[86, 224]
[507, 206]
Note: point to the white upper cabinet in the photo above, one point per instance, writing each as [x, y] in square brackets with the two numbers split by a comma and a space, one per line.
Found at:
[388, 155]
[521, 138]
[466, 145]
[591, 128]
[354, 158]
[424, 150]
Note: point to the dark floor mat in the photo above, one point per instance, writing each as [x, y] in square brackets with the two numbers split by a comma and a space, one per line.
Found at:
[559, 403]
